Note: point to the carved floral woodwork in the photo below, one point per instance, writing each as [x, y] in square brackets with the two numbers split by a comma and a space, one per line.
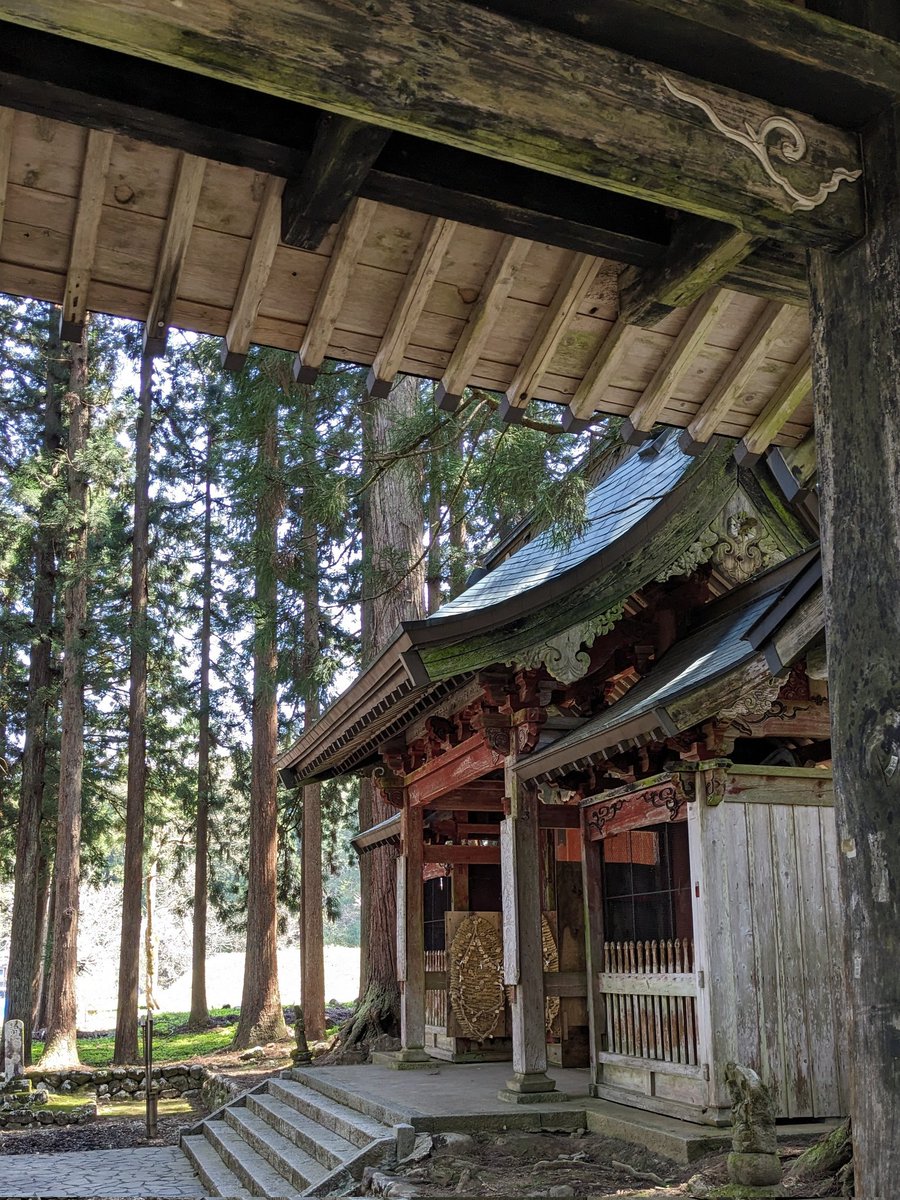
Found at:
[668, 794]
[562, 655]
[751, 706]
[738, 543]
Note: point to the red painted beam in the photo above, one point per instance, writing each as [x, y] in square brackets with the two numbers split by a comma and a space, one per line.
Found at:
[452, 770]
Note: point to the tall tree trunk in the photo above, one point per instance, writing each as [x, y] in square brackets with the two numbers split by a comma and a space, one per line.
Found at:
[20, 997]
[60, 1048]
[393, 590]
[126, 1044]
[262, 1018]
[458, 534]
[41, 930]
[312, 955]
[42, 992]
[199, 1017]
[151, 938]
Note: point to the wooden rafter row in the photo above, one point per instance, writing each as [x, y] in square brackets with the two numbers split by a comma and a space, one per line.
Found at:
[572, 289]
[599, 374]
[410, 304]
[84, 235]
[675, 365]
[182, 209]
[769, 327]
[7, 117]
[330, 300]
[795, 388]
[257, 266]
[494, 293]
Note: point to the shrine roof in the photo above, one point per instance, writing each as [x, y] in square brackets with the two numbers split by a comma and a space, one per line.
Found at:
[614, 508]
[676, 693]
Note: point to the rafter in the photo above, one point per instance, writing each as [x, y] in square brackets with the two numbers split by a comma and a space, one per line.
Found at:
[599, 374]
[94, 171]
[258, 265]
[179, 223]
[410, 303]
[795, 388]
[600, 104]
[769, 327]
[330, 300]
[7, 117]
[343, 153]
[674, 366]
[699, 255]
[571, 291]
[494, 293]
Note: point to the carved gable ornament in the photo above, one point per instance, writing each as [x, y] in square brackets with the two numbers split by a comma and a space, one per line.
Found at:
[738, 543]
[562, 655]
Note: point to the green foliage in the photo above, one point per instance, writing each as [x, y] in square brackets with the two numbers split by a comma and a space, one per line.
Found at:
[171, 1041]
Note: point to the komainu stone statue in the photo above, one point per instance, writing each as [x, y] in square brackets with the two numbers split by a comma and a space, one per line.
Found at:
[754, 1158]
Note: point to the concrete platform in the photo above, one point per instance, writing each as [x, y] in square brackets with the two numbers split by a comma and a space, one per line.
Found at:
[463, 1097]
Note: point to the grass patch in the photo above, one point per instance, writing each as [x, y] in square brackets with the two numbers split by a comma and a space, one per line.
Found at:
[168, 1044]
[66, 1101]
[174, 1107]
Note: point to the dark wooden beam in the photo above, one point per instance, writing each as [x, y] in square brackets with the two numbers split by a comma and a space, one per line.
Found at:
[808, 58]
[699, 255]
[342, 155]
[702, 147]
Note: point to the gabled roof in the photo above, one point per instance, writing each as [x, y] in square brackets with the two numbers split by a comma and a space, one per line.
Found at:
[733, 639]
[641, 518]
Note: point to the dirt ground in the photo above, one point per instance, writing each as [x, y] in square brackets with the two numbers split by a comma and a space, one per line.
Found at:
[556, 1165]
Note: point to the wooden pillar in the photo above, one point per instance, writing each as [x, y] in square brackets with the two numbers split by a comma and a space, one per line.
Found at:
[411, 941]
[592, 895]
[856, 352]
[523, 961]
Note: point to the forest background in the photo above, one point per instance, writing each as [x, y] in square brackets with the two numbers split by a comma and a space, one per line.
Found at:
[226, 534]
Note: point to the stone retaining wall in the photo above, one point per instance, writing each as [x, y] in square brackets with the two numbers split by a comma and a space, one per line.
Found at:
[128, 1083]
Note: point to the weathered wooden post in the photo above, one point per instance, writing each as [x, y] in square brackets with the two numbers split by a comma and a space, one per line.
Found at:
[523, 953]
[411, 942]
[856, 371]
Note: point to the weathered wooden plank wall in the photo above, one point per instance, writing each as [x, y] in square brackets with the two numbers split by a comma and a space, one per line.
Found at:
[777, 892]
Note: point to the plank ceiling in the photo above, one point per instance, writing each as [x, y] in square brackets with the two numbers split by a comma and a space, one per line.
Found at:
[101, 222]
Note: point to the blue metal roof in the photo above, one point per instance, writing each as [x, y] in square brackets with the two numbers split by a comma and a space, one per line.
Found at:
[614, 507]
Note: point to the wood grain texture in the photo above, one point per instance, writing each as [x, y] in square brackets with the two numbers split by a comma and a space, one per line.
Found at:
[258, 266]
[380, 66]
[856, 318]
[179, 225]
[84, 235]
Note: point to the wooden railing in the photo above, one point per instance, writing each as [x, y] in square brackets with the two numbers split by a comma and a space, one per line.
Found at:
[436, 998]
[651, 1000]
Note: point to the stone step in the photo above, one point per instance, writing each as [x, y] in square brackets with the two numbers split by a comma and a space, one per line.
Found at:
[253, 1171]
[329, 1111]
[358, 1107]
[219, 1179]
[316, 1139]
[294, 1165]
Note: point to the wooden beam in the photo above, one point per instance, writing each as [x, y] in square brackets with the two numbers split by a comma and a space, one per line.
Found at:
[179, 223]
[257, 267]
[412, 300]
[451, 771]
[343, 153]
[462, 854]
[769, 327]
[494, 293]
[674, 366]
[559, 816]
[7, 118]
[94, 171]
[785, 52]
[793, 391]
[589, 392]
[571, 291]
[695, 151]
[330, 299]
[700, 254]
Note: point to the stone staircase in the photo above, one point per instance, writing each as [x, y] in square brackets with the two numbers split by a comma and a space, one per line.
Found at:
[287, 1138]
